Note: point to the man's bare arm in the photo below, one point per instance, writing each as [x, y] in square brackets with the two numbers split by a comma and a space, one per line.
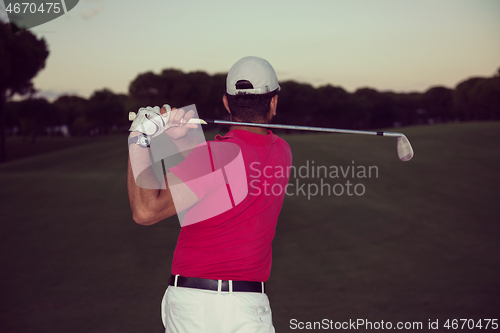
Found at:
[149, 203]
[150, 200]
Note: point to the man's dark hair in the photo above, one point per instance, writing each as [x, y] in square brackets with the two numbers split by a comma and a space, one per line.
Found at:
[250, 108]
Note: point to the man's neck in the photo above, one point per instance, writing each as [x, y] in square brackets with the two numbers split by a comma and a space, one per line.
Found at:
[252, 129]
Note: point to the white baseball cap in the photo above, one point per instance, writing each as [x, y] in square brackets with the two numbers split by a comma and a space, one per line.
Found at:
[255, 70]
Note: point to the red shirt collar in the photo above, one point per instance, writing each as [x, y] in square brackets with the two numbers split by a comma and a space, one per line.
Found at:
[249, 137]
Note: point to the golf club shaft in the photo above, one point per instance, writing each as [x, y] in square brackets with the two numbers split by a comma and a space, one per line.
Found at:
[303, 128]
[405, 151]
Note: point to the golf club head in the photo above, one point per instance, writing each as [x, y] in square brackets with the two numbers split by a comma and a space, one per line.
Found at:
[405, 151]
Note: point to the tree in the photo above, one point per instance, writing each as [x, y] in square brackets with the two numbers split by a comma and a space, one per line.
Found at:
[145, 89]
[297, 104]
[406, 106]
[438, 102]
[379, 105]
[22, 56]
[34, 115]
[216, 109]
[487, 98]
[106, 109]
[70, 108]
[465, 98]
[178, 89]
[338, 108]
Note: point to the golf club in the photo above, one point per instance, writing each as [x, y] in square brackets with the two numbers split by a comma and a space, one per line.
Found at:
[404, 149]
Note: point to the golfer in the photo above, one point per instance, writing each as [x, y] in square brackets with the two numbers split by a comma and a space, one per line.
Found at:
[232, 190]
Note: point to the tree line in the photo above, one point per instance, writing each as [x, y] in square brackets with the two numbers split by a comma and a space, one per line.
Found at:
[327, 106]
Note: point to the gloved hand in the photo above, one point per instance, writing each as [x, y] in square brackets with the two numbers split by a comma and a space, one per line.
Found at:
[150, 121]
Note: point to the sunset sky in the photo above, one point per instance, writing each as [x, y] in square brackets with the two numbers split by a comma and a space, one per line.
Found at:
[384, 44]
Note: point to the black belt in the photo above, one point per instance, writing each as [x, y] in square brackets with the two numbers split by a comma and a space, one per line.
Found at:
[207, 284]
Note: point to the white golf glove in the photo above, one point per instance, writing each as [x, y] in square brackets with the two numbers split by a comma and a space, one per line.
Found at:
[150, 121]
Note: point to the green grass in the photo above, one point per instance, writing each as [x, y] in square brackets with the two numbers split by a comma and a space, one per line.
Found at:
[17, 147]
[421, 243]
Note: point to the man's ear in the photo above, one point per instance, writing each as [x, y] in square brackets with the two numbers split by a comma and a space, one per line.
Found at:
[274, 105]
[224, 100]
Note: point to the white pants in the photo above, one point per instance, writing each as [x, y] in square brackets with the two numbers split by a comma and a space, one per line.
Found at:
[188, 310]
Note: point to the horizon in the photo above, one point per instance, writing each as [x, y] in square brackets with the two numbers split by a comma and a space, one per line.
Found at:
[50, 96]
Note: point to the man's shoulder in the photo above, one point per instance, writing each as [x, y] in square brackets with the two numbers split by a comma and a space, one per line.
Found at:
[284, 144]
[281, 140]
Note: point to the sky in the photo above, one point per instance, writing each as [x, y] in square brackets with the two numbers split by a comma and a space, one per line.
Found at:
[398, 45]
